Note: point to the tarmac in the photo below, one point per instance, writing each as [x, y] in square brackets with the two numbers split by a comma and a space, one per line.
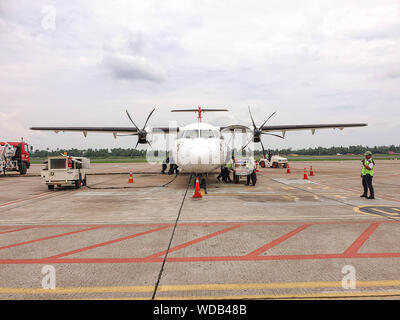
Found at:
[285, 238]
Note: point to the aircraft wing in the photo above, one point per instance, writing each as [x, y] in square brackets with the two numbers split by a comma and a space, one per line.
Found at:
[284, 128]
[114, 130]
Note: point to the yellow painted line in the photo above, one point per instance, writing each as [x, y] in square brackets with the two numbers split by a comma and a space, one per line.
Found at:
[75, 290]
[357, 209]
[277, 285]
[367, 294]
[200, 287]
[322, 295]
[396, 209]
[384, 212]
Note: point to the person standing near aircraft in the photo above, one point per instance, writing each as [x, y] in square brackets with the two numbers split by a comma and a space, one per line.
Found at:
[221, 174]
[367, 173]
[171, 165]
[164, 165]
[252, 173]
[232, 168]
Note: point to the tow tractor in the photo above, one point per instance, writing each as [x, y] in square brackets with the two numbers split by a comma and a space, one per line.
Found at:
[65, 171]
[14, 156]
[274, 162]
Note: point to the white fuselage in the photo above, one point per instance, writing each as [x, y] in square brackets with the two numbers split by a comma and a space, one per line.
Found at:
[200, 149]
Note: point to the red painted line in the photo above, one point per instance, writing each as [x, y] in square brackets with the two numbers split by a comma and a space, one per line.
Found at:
[47, 238]
[203, 259]
[107, 242]
[99, 225]
[378, 255]
[15, 230]
[205, 224]
[189, 243]
[26, 199]
[257, 258]
[352, 250]
[275, 242]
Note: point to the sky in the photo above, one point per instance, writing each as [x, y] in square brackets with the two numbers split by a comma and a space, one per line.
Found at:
[82, 63]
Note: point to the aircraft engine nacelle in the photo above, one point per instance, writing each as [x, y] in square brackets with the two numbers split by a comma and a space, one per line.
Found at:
[145, 136]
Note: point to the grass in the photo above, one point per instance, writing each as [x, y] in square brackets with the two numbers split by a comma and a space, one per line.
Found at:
[291, 159]
[101, 160]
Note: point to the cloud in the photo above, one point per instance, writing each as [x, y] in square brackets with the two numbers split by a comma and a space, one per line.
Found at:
[309, 61]
[126, 67]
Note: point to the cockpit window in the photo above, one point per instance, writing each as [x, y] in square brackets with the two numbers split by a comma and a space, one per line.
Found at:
[191, 134]
[206, 134]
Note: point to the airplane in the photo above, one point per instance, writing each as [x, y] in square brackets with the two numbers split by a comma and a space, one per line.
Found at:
[200, 147]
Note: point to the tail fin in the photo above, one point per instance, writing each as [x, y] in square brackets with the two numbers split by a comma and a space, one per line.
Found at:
[199, 110]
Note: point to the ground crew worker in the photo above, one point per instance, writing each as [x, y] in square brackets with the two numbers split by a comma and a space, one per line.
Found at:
[252, 173]
[165, 165]
[172, 166]
[233, 167]
[367, 173]
[221, 174]
[229, 168]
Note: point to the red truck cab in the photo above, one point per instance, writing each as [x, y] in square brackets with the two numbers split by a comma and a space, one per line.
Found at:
[22, 155]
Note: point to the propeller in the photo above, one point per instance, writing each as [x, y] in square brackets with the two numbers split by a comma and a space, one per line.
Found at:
[257, 132]
[141, 133]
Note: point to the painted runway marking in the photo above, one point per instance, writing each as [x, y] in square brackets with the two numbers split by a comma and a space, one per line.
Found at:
[189, 243]
[26, 199]
[47, 238]
[351, 252]
[275, 242]
[16, 230]
[108, 242]
[207, 287]
[382, 211]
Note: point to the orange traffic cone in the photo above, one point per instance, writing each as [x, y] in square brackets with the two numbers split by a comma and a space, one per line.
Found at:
[311, 171]
[288, 168]
[130, 177]
[197, 193]
[305, 174]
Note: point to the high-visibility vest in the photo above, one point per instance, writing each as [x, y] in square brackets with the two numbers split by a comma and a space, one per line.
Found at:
[250, 164]
[365, 171]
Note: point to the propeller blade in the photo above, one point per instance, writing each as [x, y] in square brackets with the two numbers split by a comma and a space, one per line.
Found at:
[132, 120]
[248, 143]
[275, 135]
[263, 148]
[137, 144]
[148, 118]
[252, 120]
[267, 120]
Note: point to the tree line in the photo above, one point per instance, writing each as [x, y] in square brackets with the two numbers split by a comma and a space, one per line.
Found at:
[120, 152]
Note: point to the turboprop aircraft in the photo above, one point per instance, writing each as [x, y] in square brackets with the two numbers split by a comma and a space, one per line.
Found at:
[200, 148]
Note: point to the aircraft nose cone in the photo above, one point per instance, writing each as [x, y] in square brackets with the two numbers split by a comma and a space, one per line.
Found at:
[199, 155]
